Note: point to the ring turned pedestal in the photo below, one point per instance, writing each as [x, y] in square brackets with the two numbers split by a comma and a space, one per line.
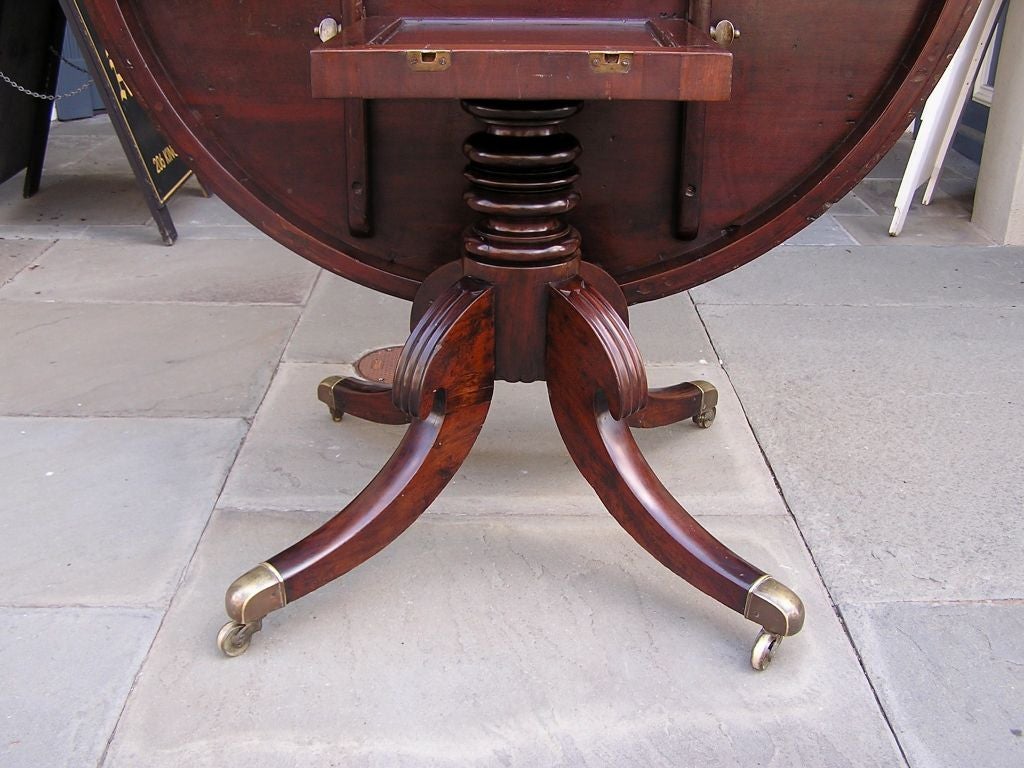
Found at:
[522, 304]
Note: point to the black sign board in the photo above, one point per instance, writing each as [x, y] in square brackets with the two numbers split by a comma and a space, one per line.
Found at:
[156, 164]
[31, 35]
[165, 171]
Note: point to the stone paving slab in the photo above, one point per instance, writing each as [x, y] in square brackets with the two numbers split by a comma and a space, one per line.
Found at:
[106, 511]
[16, 231]
[894, 163]
[64, 150]
[133, 359]
[218, 232]
[525, 641]
[97, 125]
[912, 276]
[254, 272]
[826, 230]
[295, 457]
[189, 208]
[72, 200]
[66, 674]
[344, 320]
[852, 205]
[84, 155]
[953, 196]
[950, 676]
[891, 432]
[918, 230]
[15, 255]
[669, 331]
[147, 234]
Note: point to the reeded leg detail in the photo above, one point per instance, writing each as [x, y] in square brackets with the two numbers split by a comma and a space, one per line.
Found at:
[596, 382]
[368, 400]
[695, 400]
[444, 383]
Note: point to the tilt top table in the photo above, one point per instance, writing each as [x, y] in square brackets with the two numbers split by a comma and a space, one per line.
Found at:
[713, 131]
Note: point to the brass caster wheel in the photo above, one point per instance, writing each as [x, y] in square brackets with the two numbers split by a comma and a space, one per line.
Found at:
[765, 646]
[234, 638]
[705, 418]
[325, 394]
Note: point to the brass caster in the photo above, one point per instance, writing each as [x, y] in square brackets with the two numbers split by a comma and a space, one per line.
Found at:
[234, 637]
[251, 597]
[325, 394]
[775, 607]
[708, 402]
[779, 612]
[765, 646]
[705, 419]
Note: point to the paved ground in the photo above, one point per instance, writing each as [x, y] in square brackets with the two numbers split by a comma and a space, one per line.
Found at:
[159, 435]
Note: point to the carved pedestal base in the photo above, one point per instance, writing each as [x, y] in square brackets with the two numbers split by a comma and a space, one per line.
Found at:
[442, 388]
[521, 305]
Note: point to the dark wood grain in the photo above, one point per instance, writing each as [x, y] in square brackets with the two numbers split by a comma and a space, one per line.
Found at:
[363, 399]
[444, 383]
[668, 405]
[817, 98]
[596, 382]
[691, 171]
[522, 58]
[357, 139]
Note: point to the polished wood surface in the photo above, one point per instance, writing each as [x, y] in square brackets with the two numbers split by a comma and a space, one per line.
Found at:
[573, 210]
[596, 381]
[819, 93]
[443, 385]
[370, 400]
[520, 305]
[668, 405]
[522, 58]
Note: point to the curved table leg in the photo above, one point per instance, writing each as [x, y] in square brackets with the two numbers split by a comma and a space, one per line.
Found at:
[444, 383]
[695, 400]
[596, 381]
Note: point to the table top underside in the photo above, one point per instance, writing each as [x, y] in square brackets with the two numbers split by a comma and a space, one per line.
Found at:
[815, 99]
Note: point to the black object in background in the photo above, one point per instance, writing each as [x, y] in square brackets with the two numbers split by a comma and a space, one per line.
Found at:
[31, 37]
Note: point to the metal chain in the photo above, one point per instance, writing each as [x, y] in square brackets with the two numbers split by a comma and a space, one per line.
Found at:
[71, 64]
[43, 96]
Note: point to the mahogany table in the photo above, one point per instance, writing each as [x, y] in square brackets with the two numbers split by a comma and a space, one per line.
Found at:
[712, 131]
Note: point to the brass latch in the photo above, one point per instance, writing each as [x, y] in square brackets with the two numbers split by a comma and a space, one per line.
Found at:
[611, 62]
[428, 61]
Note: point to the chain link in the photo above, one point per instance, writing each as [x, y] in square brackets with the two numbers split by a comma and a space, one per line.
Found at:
[71, 64]
[43, 96]
[56, 96]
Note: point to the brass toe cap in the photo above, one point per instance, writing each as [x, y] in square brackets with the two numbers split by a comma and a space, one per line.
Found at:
[775, 607]
[255, 594]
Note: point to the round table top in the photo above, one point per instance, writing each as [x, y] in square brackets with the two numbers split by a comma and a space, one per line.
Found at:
[819, 94]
